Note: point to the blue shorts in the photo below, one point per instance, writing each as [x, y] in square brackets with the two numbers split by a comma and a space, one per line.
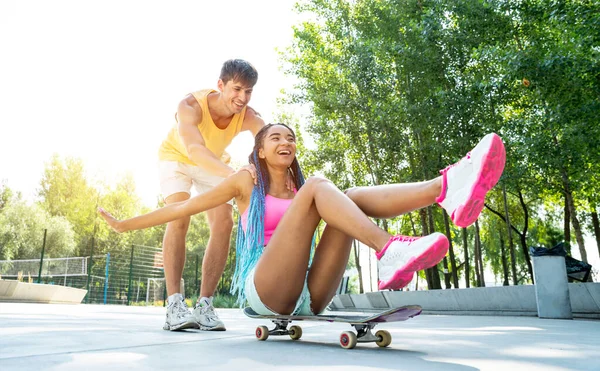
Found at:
[302, 305]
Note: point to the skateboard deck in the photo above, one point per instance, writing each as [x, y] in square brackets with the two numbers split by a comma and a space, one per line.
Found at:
[363, 324]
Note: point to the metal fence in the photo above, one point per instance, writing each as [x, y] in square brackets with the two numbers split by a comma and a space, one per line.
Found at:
[133, 276]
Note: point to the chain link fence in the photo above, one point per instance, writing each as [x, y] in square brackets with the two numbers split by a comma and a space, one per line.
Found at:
[132, 276]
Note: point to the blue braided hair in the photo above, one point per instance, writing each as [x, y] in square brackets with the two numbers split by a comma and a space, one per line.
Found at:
[250, 244]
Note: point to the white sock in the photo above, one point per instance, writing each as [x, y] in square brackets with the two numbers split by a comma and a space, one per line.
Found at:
[203, 301]
[175, 297]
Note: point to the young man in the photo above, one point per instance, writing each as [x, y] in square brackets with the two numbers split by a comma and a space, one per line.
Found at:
[194, 153]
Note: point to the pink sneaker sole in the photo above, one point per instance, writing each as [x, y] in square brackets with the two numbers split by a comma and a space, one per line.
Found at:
[491, 170]
[430, 257]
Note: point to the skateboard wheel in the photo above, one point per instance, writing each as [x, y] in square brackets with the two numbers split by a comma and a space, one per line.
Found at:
[385, 338]
[262, 332]
[295, 332]
[348, 340]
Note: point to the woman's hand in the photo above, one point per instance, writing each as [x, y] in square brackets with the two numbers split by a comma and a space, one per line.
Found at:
[114, 223]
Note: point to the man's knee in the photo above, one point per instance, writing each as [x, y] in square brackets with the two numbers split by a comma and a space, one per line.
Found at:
[179, 226]
[221, 224]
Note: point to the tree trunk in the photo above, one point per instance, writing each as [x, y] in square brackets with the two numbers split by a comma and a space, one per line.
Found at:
[523, 235]
[384, 225]
[355, 248]
[370, 272]
[412, 224]
[504, 260]
[479, 253]
[435, 273]
[425, 232]
[596, 225]
[451, 250]
[513, 261]
[466, 250]
[567, 227]
[447, 274]
[574, 220]
[476, 261]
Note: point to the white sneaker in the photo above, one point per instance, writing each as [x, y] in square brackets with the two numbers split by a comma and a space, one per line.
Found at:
[179, 316]
[403, 256]
[206, 317]
[465, 184]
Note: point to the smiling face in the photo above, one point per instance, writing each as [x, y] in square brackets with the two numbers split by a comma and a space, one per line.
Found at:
[236, 95]
[278, 146]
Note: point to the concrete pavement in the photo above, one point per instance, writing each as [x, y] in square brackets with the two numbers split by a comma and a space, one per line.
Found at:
[96, 337]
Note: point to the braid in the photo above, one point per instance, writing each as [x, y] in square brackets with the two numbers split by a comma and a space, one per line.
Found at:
[250, 244]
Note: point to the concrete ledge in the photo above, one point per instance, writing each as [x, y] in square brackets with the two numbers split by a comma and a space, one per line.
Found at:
[15, 291]
[489, 301]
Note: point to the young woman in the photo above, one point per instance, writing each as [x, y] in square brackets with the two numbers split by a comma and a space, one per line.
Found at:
[277, 224]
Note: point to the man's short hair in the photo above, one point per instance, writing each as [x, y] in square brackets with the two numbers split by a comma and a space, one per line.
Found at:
[239, 70]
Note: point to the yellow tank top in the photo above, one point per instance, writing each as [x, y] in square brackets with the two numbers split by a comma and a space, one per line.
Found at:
[216, 140]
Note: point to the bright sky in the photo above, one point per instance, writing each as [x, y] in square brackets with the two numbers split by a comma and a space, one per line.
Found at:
[101, 80]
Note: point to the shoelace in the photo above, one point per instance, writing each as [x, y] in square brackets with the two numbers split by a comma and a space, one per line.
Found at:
[401, 238]
[209, 312]
[181, 309]
[468, 157]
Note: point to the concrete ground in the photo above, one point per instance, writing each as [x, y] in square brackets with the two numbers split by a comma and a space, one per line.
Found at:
[95, 337]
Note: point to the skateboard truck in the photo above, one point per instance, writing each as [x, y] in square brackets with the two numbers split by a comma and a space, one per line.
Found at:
[348, 339]
[363, 324]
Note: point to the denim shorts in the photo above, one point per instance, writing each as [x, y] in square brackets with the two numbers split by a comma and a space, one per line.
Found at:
[302, 305]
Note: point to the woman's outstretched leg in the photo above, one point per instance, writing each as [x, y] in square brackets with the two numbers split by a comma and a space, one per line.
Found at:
[390, 200]
[461, 189]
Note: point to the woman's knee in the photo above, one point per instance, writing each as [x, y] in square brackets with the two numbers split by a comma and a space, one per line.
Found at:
[314, 182]
[352, 192]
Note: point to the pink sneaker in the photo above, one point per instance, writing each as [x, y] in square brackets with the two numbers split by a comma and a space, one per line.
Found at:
[403, 256]
[465, 184]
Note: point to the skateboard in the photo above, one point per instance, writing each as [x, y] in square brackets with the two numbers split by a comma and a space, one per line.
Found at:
[363, 324]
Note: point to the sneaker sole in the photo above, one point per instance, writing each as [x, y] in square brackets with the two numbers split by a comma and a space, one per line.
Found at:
[183, 326]
[428, 258]
[206, 328]
[493, 161]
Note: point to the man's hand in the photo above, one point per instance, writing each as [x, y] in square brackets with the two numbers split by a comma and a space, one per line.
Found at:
[290, 183]
[111, 220]
[251, 169]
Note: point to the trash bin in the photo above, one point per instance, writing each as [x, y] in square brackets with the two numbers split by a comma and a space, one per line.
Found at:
[577, 270]
[551, 282]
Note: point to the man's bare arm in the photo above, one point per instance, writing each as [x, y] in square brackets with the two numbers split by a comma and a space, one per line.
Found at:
[252, 121]
[189, 116]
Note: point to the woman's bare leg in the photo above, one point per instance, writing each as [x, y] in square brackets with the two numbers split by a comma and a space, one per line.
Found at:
[328, 267]
[281, 270]
[332, 253]
[391, 200]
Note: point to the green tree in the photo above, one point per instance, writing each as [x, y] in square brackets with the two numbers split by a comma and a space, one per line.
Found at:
[22, 230]
[65, 191]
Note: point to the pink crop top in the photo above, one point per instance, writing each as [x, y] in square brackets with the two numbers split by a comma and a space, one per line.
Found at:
[274, 210]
